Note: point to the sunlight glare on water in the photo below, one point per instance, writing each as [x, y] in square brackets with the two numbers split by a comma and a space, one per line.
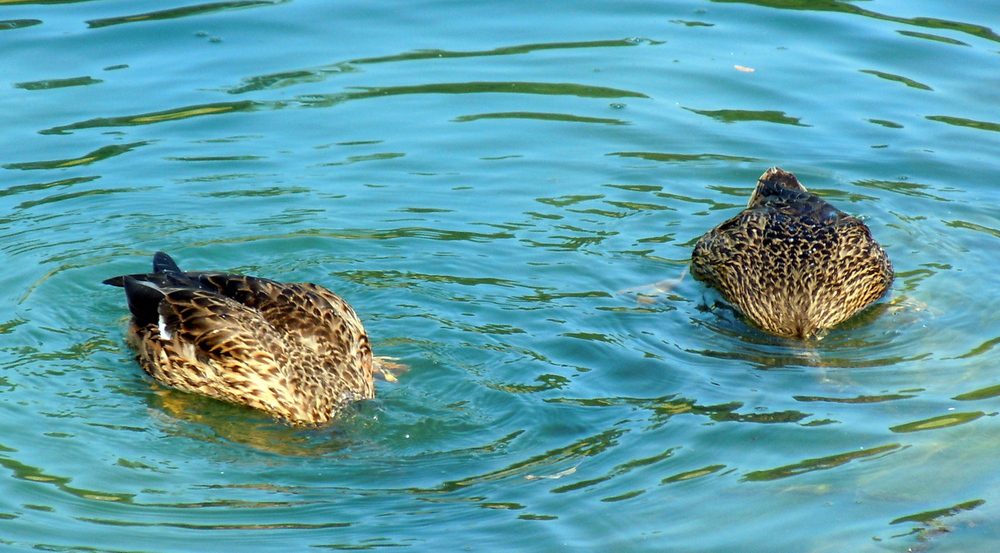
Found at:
[485, 183]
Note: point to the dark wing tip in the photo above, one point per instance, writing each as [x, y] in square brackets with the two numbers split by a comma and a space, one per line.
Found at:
[115, 281]
[163, 263]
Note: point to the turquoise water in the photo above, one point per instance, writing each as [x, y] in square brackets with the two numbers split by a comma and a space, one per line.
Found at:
[482, 182]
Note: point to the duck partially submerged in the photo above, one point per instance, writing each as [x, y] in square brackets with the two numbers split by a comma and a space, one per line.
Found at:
[295, 350]
[793, 264]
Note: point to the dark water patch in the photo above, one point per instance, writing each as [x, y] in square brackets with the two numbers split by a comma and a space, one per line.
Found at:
[34, 187]
[199, 159]
[427, 233]
[664, 408]
[578, 450]
[933, 37]
[982, 393]
[424, 210]
[692, 474]
[507, 50]
[777, 360]
[42, 2]
[99, 154]
[350, 160]
[855, 400]
[221, 526]
[373, 544]
[568, 200]
[618, 470]
[640, 206]
[974, 227]
[546, 382]
[176, 114]
[263, 192]
[74, 196]
[820, 463]
[843, 6]
[963, 122]
[318, 74]
[906, 188]
[292, 78]
[897, 79]
[537, 517]
[623, 497]
[501, 505]
[11, 24]
[712, 205]
[538, 116]
[934, 423]
[29, 473]
[7, 326]
[885, 123]
[744, 115]
[683, 158]
[592, 337]
[220, 177]
[475, 87]
[400, 278]
[687, 23]
[48, 84]
[186, 11]
[934, 516]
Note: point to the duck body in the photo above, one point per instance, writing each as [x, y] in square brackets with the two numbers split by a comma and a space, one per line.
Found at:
[793, 264]
[295, 350]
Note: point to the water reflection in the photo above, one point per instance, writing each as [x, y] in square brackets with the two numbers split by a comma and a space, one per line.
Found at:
[319, 74]
[486, 244]
[99, 154]
[741, 115]
[854, 9]
[821, 463]
[175, 114]
[187, 11]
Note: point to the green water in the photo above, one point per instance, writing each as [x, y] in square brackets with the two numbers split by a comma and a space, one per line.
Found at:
[482, 181]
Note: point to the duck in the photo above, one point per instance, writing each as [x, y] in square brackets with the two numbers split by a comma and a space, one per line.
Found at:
[790, 262]
[296, 351]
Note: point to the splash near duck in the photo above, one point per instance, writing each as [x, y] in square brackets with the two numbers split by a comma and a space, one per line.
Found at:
[294, 350]
[790, 262]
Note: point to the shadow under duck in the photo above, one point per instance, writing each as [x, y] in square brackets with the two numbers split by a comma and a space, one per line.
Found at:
[792, 263]
[295, 350]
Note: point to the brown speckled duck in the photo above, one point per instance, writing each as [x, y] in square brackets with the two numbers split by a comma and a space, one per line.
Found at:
[792, 263]
[297, 350]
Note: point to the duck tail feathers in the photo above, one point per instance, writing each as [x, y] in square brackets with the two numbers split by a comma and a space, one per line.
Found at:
[143, 299]
[163, 263]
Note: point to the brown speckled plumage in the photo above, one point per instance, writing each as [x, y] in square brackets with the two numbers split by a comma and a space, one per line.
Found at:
[295, 350]
[792, 263]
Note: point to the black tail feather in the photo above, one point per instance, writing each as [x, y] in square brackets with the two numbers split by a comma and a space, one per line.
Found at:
[163, 263]
[114, 281]
[143, 300]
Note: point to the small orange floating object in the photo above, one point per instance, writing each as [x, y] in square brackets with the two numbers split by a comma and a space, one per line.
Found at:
[744, 68]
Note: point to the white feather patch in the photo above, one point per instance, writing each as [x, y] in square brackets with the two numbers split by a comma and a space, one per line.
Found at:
[164, 333]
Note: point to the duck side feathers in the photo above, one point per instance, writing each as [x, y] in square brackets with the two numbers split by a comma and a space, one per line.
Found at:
[295, 350]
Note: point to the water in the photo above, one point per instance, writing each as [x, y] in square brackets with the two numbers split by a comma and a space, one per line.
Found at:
[481, 181]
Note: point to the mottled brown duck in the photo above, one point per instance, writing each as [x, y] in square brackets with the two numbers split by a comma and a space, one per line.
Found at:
[790, 262]
[294, 350]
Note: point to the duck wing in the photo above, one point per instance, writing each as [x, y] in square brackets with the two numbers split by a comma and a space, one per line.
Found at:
[200, 341]
[307, 314]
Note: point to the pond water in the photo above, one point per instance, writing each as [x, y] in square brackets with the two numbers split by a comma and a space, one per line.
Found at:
[482, 181]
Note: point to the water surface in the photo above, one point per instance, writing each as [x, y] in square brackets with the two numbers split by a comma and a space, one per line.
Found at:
[482, 182]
